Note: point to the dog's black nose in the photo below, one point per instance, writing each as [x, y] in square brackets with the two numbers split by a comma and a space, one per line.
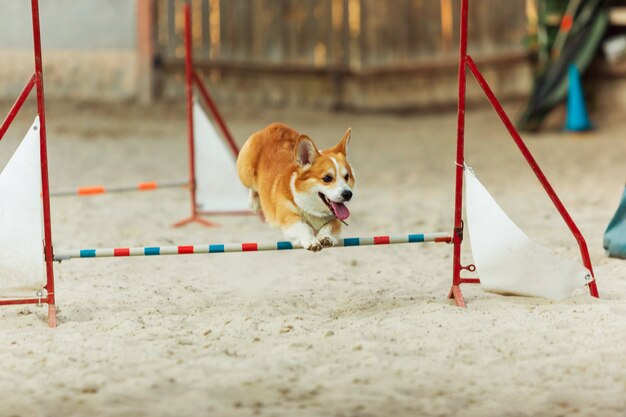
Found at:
[347, 195]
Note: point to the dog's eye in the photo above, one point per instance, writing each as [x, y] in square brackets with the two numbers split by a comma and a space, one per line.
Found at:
[347, 177]
[327, 178]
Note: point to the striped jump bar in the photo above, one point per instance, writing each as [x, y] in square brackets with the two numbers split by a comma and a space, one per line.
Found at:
[243, 247]
[99, 189]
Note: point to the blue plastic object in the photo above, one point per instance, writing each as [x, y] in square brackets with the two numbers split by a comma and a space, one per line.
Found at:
[577, 116]
[615, 235]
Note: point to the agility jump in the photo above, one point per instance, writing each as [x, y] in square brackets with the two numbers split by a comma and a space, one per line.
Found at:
[490, 229]
[212, 183]
[244, 247]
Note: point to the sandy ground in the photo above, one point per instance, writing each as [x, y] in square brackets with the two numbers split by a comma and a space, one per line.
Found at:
[347, 332]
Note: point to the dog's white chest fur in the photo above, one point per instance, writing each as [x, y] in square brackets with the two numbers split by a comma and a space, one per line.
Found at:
[315, 222]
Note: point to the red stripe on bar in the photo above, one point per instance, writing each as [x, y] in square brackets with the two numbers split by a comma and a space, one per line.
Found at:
[91, 190]
[381, 240]
[185, 249]
[121, 252]
[446, 239]
[249, 247]
[143, 186]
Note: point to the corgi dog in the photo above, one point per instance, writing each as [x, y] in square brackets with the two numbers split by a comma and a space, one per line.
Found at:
[297, 187]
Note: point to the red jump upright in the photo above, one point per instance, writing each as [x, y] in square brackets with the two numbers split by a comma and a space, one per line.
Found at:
[36, 81]
[466, 62]
[192, 79]
[190, 134]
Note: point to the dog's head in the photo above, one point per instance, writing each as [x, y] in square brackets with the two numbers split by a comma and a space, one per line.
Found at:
[324, 180]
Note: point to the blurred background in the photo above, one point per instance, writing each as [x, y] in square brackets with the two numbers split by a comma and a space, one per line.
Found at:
[398, 55]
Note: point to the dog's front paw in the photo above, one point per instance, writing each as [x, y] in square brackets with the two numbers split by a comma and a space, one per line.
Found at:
[312, 244]
[328, 241]
[327, 237]
[329, 234]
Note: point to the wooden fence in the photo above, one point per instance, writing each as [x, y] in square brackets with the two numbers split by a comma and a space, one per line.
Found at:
[340, 38]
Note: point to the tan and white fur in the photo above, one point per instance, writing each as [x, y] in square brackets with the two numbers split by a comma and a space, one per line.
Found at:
[298, 188]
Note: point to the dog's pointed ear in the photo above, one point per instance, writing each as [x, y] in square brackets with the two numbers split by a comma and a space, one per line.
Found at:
[342, 146]
[306, 151]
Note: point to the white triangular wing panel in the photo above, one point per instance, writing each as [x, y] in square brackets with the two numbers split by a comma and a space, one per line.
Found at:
[21, 222]
[507, 260]
[218, 188]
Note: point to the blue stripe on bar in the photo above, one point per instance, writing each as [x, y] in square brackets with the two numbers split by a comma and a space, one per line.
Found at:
[284, 245]
[351, 241]
[87, 253]
[152, 251]
[216, 248]
[416, 238]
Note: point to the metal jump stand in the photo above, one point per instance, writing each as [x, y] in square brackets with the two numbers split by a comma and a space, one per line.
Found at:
[192, 79]
[37, 81]
[466, 62]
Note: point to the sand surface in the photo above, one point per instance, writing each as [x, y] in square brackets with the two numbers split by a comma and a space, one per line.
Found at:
[346, 332]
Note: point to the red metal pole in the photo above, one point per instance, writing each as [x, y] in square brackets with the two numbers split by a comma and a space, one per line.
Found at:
[48, 252]
[24, 301]
[582, 244]
[189, 92]
[204, 92]
[17, 105]
[190, 133]
[457, 236]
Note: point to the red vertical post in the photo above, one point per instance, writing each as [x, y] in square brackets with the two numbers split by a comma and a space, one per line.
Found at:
[189, 92]
[190, 133]
[45, 189]
[457, 237]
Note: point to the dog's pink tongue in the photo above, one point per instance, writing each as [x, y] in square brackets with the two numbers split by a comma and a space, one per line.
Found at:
[340, 210]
